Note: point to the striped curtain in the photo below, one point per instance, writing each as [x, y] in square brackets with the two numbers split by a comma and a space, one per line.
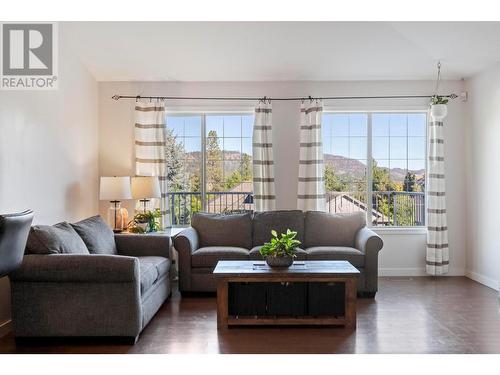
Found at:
[150, 142]
[263, 162]
[437, 259]
[311, 188]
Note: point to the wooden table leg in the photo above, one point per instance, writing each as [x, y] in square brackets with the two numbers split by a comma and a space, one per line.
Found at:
[222, 303]
[350, 306]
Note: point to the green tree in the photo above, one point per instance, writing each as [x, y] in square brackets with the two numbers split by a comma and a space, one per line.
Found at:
[214, 163]
[410, 181]
[381, 179]
[246, 167]
[175, 156]
[332, 180]
[243, 174]
[382, 183]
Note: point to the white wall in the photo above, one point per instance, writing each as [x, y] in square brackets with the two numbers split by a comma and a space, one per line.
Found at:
[48, 152]
[483, 179]
[403, 254]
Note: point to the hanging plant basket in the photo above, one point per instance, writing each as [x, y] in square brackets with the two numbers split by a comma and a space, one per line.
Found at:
[439, 111]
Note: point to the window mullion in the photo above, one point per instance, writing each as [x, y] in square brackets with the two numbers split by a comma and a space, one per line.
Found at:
[203, 162]
[369, 172]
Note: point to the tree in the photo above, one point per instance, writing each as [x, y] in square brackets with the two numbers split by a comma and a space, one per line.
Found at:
[175, 156]
[246, 167]
[410, 181]
[243, 174]
[214, 164]
[332, 180]
[381, 179]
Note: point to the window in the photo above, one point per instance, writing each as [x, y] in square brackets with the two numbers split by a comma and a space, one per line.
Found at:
[375, 162]
[209, 164]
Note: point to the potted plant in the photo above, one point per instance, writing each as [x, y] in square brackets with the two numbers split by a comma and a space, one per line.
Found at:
[145, 222]
[280, 251]
[439, 110]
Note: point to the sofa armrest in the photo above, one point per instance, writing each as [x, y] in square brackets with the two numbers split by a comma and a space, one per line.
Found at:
[367, 241]
[77, 268]
[186, 241]
[143, 245]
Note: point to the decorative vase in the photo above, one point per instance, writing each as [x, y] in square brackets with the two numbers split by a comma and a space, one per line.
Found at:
[439, 111]
[279, 262]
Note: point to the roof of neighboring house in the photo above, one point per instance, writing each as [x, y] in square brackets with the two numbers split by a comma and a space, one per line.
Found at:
[231, 200]
[344, 202]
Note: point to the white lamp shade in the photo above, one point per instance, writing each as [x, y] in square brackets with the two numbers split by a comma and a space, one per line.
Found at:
[145, 187]
[115, 188]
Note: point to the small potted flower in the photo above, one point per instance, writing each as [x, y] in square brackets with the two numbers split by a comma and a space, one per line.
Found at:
[280, 251]
[439, 110]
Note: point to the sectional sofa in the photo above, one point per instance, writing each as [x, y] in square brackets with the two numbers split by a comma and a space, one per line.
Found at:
[324, 236]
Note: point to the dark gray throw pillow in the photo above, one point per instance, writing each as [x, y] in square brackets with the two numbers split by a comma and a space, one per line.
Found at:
[55, 239]
[223, 230]
[97, 235]
[325, 229]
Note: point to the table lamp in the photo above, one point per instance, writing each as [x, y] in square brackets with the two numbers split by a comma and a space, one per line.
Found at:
[144, 188]
[115, 189]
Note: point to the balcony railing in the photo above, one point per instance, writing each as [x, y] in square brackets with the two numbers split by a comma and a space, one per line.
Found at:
[184, 204]
[388, 208]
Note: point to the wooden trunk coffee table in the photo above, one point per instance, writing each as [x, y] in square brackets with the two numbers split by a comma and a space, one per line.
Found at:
[307, 293]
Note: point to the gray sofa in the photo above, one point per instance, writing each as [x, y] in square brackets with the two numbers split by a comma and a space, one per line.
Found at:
[214, 237]
[83, 280]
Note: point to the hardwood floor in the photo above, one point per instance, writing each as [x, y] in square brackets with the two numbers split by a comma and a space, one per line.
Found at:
[409, 315]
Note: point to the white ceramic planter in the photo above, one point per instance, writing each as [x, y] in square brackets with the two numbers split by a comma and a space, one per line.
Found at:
[439, 111]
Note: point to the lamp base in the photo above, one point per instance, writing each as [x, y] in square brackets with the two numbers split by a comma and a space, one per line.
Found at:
[116, 217]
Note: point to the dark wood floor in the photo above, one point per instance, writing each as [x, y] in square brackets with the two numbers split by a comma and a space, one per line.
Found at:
[409, 315]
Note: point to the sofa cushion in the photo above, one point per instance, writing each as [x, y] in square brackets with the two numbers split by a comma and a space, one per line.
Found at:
[255, 255]
[223, 230]
[352, 255]
[280, 221]
[151, 269]
[324, 229]
[209, 256]
[56, 239]
[97, 235]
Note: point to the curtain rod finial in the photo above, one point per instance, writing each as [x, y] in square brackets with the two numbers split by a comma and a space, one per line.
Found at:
[115, 97]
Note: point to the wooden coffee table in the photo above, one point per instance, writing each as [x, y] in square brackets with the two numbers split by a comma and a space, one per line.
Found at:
[307, 293]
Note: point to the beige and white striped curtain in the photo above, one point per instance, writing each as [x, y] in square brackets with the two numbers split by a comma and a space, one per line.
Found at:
[311, 187]
[437, 259]
[263, 162]
[150, 143]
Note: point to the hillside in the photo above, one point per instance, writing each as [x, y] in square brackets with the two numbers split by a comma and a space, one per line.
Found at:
[341, 165]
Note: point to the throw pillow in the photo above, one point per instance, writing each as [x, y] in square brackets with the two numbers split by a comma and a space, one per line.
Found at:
[97, 235]
[56, 239]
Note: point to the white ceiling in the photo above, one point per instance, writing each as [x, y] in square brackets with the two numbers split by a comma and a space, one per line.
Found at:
[275, 51]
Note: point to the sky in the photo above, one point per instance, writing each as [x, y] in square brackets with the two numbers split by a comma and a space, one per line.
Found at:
[398, 139]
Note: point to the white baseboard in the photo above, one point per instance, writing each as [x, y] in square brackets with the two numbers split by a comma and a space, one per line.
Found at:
[416, 272]
[5, 327]
[489, 282]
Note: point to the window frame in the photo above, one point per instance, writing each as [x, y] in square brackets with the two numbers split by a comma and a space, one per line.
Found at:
[203, 115]
[420, 229]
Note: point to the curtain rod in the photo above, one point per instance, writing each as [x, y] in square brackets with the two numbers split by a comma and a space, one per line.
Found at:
[137, 97]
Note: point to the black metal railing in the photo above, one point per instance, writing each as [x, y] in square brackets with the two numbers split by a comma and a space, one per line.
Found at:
[184, 204]
[388, 208]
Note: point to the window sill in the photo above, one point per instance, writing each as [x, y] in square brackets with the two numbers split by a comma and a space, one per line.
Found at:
[400, 231]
